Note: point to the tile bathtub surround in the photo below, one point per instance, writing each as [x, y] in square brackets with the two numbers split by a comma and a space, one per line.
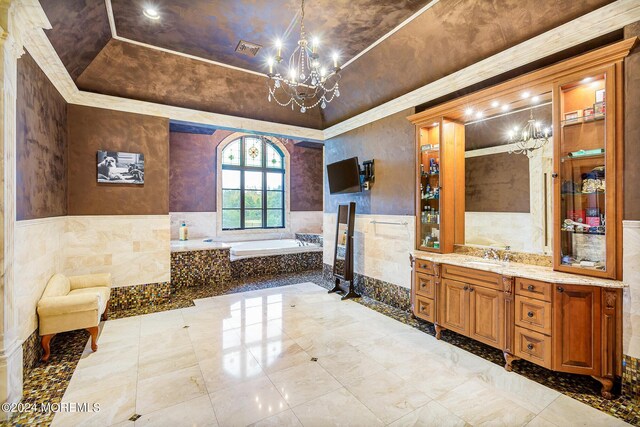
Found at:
[199, 268]
[310, 238]
[125, 297]
[384, 292]
[519, 257]
[276, 264]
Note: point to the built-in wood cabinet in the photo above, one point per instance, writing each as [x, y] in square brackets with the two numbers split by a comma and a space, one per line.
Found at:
[564, 327]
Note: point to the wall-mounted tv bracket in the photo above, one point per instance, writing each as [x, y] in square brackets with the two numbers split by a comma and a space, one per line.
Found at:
[367, 174]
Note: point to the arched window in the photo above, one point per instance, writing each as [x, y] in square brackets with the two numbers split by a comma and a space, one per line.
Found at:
[252, 184]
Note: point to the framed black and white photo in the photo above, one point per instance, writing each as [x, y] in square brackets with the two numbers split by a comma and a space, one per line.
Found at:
[116, 167]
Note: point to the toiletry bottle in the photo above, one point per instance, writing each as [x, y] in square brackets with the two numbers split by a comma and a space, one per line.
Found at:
[184, 231]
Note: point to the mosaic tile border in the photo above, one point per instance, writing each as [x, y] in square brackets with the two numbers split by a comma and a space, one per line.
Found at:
[31, 353]
[200, 268]
[316, 238]
[124, 297]
[275, 264]
[385, 292]
[631, 377]
[521, 257]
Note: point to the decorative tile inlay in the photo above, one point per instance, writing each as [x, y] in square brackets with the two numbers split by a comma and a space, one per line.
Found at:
[310, 238]
[31, 353]
[387, 293]
[198, 268]
[124, 297]
[631, 377]
[276, 264]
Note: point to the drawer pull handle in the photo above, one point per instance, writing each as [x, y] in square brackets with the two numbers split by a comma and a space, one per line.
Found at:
[423, 285]
[422, 308]
[530, 346]
[530, 288]
[560, 289]
[530, 314]
[466, 288]
[470, 289]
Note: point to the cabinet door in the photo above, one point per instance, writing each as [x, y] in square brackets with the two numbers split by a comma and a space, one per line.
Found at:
[453, 310]
[486, 315]
[576, 329]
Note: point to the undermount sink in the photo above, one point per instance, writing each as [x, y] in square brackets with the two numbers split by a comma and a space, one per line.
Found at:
[486, 263]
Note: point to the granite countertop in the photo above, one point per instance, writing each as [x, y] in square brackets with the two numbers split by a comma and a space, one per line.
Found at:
[545, 274]
[196, 245]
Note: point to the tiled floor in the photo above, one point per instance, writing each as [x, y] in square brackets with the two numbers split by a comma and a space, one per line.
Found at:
[296, 355]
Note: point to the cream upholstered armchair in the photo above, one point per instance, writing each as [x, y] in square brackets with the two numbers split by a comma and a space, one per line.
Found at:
[70, 303]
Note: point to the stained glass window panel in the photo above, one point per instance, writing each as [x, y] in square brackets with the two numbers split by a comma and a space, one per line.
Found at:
[231, 154]
[274, 158]
[253, 152]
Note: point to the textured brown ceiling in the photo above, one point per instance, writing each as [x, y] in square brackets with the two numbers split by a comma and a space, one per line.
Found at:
[212, 29]
[451, 35]
[132, 71]
[80, 29]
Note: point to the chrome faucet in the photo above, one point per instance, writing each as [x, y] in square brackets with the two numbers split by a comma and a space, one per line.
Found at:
[506, 257]
[491, 254]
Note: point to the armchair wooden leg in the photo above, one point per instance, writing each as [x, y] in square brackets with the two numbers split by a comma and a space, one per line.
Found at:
[105, 315]
[94, 337]
[46, 339]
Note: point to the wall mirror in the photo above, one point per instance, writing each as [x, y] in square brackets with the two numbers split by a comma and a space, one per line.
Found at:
[508, 194]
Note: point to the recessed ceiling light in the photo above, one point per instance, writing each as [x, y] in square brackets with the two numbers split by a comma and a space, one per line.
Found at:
[525, 95]
[535, 99]
[587, 79]
[495, 104]
[468, 111]
[435, 124]
[505, 107]
[478, 114]
[151, 13]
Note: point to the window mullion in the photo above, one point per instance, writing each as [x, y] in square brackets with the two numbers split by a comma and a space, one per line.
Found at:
[242, 200]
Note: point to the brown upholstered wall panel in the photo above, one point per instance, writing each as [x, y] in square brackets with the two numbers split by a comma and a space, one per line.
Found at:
[41, 145]
[80, 29]
[132, 71]
[451, 35]
[93, 129]
[632, 129]
[193, 173]
[391, 143]
[497, 183]
[306, 178]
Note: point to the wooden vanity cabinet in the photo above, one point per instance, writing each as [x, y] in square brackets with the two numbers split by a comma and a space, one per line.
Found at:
[566, 328]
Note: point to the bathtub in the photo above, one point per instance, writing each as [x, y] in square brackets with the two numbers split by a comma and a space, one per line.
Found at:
[256, 248]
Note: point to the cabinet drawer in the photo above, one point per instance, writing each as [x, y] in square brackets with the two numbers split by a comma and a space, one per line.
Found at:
[472, 276]
[533, 289]
[425, 267]
[533, 314]
[425, 308]
[425, 285]
[533, 346]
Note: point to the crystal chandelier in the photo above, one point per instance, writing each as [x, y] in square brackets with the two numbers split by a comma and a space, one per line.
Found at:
[531, 137]
[306, 82]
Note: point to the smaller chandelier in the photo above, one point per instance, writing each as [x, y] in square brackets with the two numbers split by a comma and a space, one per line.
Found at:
[533, 136]
[306, 82]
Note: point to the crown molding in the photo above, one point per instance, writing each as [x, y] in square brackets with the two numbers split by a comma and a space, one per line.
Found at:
[39, 47]
[587, 27]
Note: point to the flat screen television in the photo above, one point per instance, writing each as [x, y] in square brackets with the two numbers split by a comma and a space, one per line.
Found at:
[344, 176]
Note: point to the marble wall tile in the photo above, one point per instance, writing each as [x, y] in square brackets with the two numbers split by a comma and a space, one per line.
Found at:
[500, 229]
[38, 256]
[135, 249]
[200, 224]
[306, 221]
[381, 251]
[631, 276]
